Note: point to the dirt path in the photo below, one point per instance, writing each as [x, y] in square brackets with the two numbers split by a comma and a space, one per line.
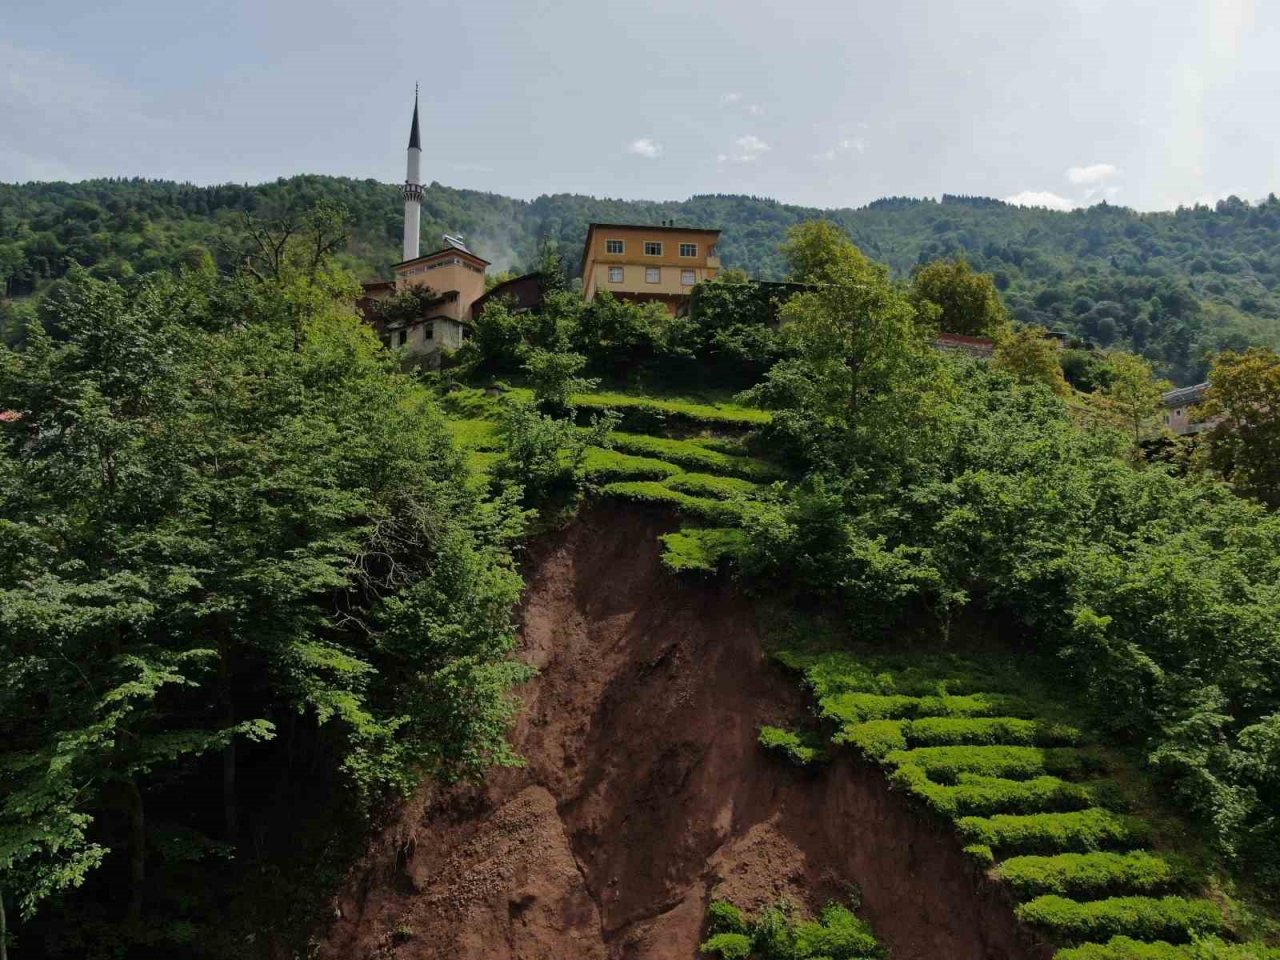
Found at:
[646, 795]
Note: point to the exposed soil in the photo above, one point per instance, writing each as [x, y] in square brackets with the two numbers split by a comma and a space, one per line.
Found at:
[646, 795]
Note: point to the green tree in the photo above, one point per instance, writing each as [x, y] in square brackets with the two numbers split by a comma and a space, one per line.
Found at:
[966, 302]
[1244, 444]
[1031, 355]
[1134, 396]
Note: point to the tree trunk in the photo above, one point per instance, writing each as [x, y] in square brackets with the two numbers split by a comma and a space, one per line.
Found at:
[230, 810]
[4, 931]
[137, 850]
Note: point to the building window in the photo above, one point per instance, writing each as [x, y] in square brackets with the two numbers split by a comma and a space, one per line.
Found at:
[614, 246]
[688, 278]
[429, 332]
[652, 274]
[711, 250]
[615, 274]
[403, 338]
[688, 249]
[653, 248]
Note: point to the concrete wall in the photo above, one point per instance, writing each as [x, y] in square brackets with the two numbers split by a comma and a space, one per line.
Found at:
[634, 261]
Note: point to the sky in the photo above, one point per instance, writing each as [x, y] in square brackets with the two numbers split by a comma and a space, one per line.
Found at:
[829, 104]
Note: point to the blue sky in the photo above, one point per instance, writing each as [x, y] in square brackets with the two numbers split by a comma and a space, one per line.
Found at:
[1149, 104]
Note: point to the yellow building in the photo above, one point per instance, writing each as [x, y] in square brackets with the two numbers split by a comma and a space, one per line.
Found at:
[660, 263]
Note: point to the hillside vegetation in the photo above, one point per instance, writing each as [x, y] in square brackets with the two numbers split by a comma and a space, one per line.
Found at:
[258, 587]
[1170, 285]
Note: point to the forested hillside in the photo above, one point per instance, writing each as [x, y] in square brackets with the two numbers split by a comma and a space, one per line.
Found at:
[1171, 285]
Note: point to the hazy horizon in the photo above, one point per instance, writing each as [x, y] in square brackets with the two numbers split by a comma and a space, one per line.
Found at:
[1149, 106]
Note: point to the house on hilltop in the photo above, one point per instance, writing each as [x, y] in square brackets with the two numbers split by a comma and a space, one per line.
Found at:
[1181, 415]
[646, 263]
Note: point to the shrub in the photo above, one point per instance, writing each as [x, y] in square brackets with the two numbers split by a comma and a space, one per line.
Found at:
[1125, 948]
[938, 731]
[838, 934]
[725, 917]
[798, 748]
[981, 853]
[1144, 918]
[875, 738]
[1093, 874]
[728, 946]
[1078, 830]
[612, 465]
[946, 764]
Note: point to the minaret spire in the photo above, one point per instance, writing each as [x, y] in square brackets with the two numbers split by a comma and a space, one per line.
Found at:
[413, 187]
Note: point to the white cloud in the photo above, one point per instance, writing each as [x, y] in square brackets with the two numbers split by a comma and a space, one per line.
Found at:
[746, 149]
[845, 146]
[1041, 198]
[1094, 173]
[645, 147]
[755, 109]
[731, 98]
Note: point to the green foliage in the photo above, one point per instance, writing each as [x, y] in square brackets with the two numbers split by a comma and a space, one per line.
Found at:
[966, 302]
[798, 748]
[652, 492]
[1095, 874]
[1079, 830]
[717, 414]
[1244, 446]
[223, 512]
[728, 946]
[601, 464]
[777, 934]
[696, 456]
[1126, 948]
[876, 738]
[1143, 918]
[938, 731]
[725, 917]
[947, 764]
[702, 549]
[976, 795]
[710, 485]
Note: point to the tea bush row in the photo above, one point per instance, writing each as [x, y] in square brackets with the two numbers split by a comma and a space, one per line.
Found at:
[1143, 918]
[1094, 874]
[946, 764]
[1079, 830]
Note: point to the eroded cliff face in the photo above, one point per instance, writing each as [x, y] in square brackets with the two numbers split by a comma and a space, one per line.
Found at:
[645, 794]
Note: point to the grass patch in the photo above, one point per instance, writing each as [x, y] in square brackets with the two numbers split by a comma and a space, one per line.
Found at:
[475, 434]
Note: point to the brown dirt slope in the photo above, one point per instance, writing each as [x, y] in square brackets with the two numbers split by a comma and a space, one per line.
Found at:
[646, 795]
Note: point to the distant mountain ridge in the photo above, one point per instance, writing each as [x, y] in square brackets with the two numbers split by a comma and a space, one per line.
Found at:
[1173, 285]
